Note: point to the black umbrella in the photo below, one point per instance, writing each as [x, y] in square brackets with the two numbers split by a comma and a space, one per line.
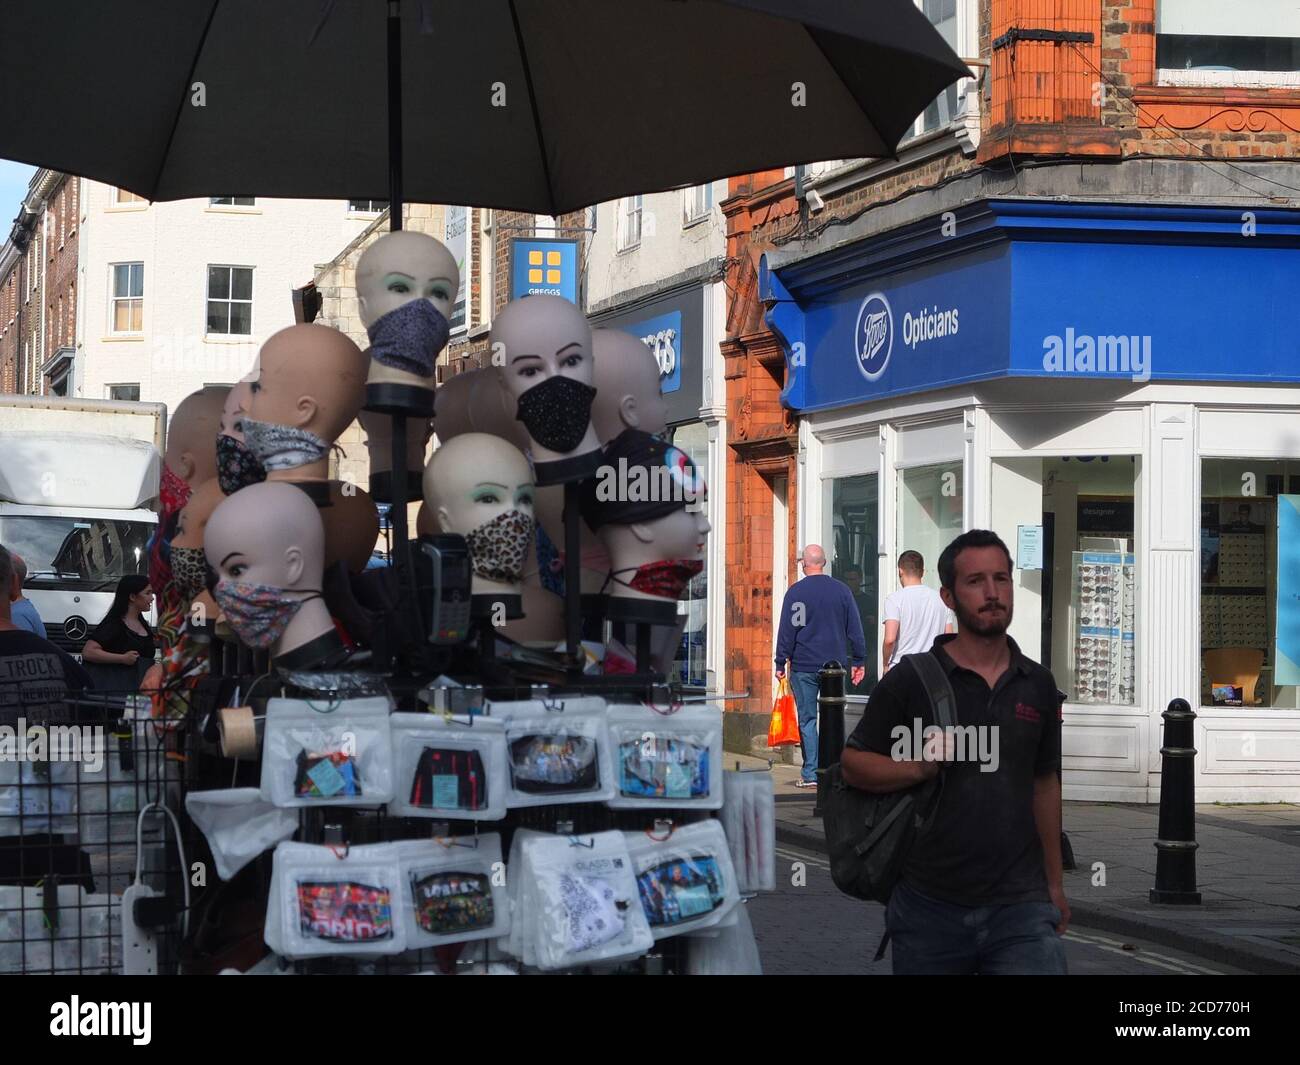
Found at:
[536, 105]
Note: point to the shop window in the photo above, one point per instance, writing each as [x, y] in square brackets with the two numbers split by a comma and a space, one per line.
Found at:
[929, 513]
[1250, 582]
[697, 202]
[126, 392]
[1207, 42]
[124, 196]
[629, 222]
[1087, 589]
[367, 206]
[853, 506]
[128, 297]
[689, 664]
[230, 300]
[231, 201]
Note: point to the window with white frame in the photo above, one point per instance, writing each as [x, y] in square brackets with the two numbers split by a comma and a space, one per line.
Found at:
[124, 196]
[943, 109]
[697, 202]
[128, 297]
[1208, 42]
[231, 201]
[127, 392]
[230, 300]
[629, 222]
[366, 206]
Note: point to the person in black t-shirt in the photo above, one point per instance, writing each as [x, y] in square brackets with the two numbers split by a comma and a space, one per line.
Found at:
[36, 680]
[121, 648]
[982, 889]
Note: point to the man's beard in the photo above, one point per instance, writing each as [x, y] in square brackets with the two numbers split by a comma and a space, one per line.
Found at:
[980, 623]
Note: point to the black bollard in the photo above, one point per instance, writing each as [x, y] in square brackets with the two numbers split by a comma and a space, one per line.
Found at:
[830, 721]
[1176, 842]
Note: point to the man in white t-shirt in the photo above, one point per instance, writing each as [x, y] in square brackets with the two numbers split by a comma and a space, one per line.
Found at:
[914, 615]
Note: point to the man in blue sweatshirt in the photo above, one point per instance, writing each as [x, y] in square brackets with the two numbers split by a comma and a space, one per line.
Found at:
[819, 620]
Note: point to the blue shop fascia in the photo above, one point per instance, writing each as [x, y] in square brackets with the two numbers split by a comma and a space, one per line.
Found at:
[1112, 387]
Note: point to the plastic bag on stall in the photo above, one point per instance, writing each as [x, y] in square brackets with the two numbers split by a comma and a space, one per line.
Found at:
[519, 942]
[38, 797]
[557, 752]
[749, 820]
[453, 890]
[579, 901]
[335, 901]
[730, 952]
[327, 753]
[666, 758]
[686, 882]
[238, 825]
[448, 768]
[87, 937]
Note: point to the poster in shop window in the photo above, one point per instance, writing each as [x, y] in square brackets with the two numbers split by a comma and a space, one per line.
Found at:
[1287, 665]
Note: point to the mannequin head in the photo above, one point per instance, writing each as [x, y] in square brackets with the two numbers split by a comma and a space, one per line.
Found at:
[311, 384]
[379, 443]
[351, 525]
[627, 386]
[237, 466]
[190, 454]
[267, 544]
[188, 560]
[480, 486]
[545, 372]
[650, 516]
[406, 285]
[451, 406]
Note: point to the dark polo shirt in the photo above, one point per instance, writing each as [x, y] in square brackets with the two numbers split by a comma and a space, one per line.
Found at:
[982, 848]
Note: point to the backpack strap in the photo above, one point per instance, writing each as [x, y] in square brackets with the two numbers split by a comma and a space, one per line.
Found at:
[937, 687]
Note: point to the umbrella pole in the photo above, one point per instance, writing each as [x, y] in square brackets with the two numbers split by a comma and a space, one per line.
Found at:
[401, 548]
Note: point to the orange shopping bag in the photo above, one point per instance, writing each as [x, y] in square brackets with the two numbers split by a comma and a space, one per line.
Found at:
[784, 729]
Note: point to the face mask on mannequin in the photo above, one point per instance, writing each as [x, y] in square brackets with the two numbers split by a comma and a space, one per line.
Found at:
[667, 578]
[259, 613]
[189, 571]
[556, 413]
[173, 492]
[500, 546]
[237, 466]
[410, 337]
[283, 447]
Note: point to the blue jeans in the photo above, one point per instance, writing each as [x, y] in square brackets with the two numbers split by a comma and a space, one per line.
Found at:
[805, 687]
[934, 938]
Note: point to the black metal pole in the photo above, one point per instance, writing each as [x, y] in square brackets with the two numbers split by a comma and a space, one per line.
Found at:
[830, 722]
[572, 570]
[1176, 844]
[401, 546]
[643, 633]
[394, 118]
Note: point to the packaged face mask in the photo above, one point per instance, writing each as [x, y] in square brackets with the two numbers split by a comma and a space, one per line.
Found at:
[726, 951]
[749, 820]
[454, 890]
[450, 769]
[557, 755]
[335, 901]
[238, 825]
[327, 753]
[685, 882]
[666, 759]
[579, 901]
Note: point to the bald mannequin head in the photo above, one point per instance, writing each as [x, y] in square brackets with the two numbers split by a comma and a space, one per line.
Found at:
[627, 386]
[402, 266]
[196, 513]
[191, 435]
[311, 377]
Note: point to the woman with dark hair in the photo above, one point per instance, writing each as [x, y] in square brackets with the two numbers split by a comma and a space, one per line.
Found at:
[121, 649]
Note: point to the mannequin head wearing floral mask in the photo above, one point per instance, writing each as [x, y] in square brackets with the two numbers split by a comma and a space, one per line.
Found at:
[627, 384]
[237, 466]
[480, 486]
[656, 533]
[541, 352]
[309, 388]
[407, 283]
[267, 545]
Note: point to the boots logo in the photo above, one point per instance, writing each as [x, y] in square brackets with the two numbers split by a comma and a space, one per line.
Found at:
[874, 337]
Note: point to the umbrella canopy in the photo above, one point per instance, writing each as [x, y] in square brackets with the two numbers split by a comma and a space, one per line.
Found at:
[534, 105]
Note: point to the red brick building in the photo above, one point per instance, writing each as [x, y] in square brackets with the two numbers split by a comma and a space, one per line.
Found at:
[1069, 99]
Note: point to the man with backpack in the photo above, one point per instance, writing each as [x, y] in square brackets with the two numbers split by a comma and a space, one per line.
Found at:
[981, 888]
